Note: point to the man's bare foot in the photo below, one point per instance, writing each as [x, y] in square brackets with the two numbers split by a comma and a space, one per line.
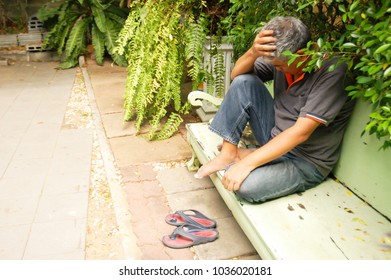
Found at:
[218, 163]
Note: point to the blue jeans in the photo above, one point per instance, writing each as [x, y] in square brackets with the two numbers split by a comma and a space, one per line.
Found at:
[249, 101]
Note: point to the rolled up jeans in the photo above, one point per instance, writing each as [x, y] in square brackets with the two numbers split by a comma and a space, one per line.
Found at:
[249, 101]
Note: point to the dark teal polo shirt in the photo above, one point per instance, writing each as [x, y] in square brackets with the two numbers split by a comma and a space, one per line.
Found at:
[321, 96]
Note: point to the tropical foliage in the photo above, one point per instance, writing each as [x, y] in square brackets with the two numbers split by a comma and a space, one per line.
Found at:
[359, 31]
[75, 23]
[163, 43]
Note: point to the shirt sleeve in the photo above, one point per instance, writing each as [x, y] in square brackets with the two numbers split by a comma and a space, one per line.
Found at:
[264, 70]
[328, 95]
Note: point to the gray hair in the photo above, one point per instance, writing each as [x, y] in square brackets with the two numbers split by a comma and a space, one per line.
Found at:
[291, 34]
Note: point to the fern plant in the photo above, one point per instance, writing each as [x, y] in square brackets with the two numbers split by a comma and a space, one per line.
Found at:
[215, 67]
[163, 43]
[73, 24]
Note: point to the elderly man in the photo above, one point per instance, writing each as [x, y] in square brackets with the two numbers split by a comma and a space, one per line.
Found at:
[299, 131]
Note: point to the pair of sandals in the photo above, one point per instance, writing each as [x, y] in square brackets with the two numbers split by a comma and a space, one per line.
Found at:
[193, 228]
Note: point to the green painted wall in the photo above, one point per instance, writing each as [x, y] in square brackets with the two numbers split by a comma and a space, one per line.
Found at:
[364, 168]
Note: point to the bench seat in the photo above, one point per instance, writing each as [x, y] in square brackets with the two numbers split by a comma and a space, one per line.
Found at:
[326, 222]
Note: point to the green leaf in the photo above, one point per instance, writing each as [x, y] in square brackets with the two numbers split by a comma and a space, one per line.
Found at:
[363, 79]
[99, 18]
[342, 8]
[68, 64]
[374, 69]
[348, 45]
[382, 48]
[354, 5]
[77, 38]
[387, 72]
[111, 36]
[98, 42]
[370, 43]
[319, 63]
[320, 42]
[386, 109]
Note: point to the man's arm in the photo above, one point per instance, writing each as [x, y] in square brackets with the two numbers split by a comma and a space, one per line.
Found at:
[262, 46]
[278, 146]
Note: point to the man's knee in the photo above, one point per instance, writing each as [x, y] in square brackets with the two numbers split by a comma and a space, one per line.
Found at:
[251, 192]
[246, 79]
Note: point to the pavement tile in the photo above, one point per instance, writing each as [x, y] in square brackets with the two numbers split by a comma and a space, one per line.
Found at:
[136, 206]
[12, 131]
[62, 207]
[135, 173]
[20, 113]
[4, 164]
[28, 167]
[56, 238]
[184, 180]
[74, 255]
[39, 141]
[158, 208]
[145, 232]
[145, 188]
[16, 237]
[180, 254]
[154, 252]
[67, 182]
[131, 150]
[19, 187]
[115, 126]
[70, 163]
[231, 238]
[109, 99]
[18, 211]
[74, 142]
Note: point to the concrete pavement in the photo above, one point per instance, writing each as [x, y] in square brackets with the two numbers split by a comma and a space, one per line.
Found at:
[52, 203]
[44, 165]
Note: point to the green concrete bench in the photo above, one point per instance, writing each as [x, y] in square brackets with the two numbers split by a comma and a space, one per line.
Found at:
[331, 221]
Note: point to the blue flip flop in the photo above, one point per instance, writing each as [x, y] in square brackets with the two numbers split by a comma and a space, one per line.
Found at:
[190, 217]
[189, 235]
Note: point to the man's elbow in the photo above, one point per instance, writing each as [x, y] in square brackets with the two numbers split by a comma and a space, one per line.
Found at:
[304, 128]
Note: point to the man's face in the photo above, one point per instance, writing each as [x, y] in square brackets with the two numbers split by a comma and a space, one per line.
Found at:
[283, 66]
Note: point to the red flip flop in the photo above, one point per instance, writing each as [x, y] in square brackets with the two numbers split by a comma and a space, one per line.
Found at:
[188, 235]
[190, 217]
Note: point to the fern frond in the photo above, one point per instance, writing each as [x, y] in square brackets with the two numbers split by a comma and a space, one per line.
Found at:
[111, 34]
[68, 63]
[98, 4]
[170, 127]
[127, 33]
[155, 122]
[99, 18]
[98, 42]
[195, 36]
[117, 14]
[61, 38]
[219, 74]
[77, 37]
[65, 10]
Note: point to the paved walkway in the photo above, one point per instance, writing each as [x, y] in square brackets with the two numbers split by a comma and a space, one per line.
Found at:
[44, 165]
[51, 201]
